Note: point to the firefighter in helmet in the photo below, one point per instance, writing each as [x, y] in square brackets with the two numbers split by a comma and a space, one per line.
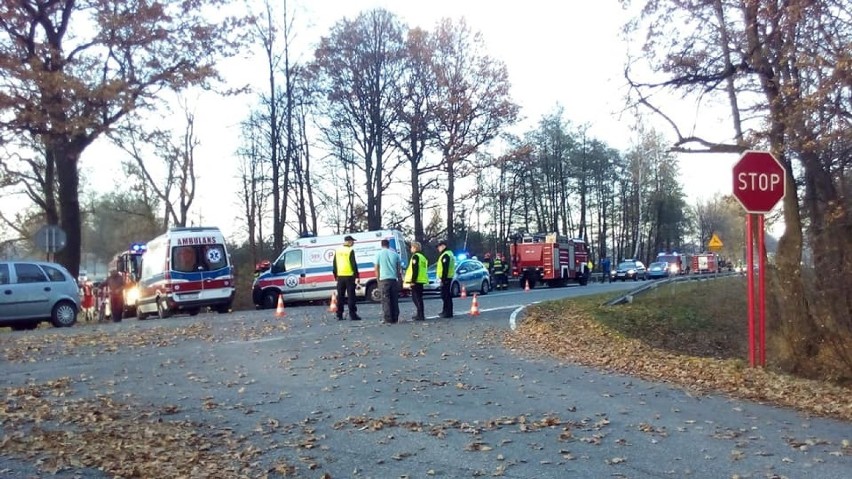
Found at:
[489, 265]
[499, 270]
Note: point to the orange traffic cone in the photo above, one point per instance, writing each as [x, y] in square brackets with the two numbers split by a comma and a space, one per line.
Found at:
[463, 292]
[332, 305]
[474, 307]
[279, 311]
[527, 287]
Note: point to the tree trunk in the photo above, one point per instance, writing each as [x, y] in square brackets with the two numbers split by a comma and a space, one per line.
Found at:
[451, 206]
[67, 159]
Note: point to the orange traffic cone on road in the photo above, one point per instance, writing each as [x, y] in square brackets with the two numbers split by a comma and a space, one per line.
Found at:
[474, 307]
[332, 305]
[279, 311]
[527, 287]
[463, 292]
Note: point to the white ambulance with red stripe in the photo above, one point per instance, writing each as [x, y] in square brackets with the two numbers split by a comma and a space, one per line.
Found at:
[183, 271]
[303, 272]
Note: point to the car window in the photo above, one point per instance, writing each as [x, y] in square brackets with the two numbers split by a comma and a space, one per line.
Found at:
[626, 265]
[29, 273]
[214, 256]
[54, 274]
[293, 260]
[4, 274]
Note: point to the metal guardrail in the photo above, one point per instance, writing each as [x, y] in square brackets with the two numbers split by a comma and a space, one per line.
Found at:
[628, 298]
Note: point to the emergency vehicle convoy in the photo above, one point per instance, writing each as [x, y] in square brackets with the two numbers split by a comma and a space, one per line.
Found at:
[303, 271]
[129, 264]
[550, 259]
[185, 270]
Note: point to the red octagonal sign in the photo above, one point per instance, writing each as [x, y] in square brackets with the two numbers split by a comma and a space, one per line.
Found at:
[760, 181]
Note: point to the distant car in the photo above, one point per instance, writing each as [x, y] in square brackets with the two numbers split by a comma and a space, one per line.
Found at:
[658, 270]
[630, 269]
[36, 291]
[470, 273]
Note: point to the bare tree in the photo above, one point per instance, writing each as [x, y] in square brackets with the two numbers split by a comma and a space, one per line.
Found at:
[473, 101]
[357, 68]
[175, 188]
[70, 70]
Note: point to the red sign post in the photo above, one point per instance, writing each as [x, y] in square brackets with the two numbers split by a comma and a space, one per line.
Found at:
[760, 181]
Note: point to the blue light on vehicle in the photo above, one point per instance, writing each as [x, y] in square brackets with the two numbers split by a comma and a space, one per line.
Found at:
[461, 256]
[138, 248]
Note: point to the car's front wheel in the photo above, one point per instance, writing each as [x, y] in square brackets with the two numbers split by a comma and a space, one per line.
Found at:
[373, 293]
[455, 290]
[485, 287]
[64, 314]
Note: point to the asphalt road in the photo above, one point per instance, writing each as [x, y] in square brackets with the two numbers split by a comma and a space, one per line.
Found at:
[440, 398]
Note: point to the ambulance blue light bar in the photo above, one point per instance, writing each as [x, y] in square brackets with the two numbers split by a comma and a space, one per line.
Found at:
[138, 248]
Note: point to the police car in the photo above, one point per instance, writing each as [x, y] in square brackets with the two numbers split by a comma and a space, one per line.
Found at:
[470, 274]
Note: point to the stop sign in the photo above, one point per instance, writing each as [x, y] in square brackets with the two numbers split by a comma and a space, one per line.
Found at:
[760, 181]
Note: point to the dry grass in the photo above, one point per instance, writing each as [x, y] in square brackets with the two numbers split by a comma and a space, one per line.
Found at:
[690, 334]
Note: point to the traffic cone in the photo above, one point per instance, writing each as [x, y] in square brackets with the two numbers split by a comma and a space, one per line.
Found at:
[527, 287]
[332, 305]
[279, 311]
[474, 307]
[463, 292]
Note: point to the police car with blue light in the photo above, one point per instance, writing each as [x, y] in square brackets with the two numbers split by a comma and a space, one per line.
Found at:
[470, 274]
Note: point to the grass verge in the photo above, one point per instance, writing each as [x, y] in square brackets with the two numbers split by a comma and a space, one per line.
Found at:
[691, 334]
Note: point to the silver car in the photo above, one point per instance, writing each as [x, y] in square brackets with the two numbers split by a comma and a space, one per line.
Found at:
[470, 274]
[35, 291]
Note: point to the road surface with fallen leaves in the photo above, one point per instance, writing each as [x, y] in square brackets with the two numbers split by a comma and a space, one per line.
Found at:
[251, 395]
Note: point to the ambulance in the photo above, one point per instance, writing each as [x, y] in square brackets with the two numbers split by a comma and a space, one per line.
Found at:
[303, 271]
[183, 271]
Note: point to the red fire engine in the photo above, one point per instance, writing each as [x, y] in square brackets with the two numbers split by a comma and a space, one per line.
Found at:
[550, 259]
[705, 263]
[129, 263]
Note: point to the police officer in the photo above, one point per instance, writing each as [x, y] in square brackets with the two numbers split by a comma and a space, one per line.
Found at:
[416, 278]
[345, 271]
[445, 269]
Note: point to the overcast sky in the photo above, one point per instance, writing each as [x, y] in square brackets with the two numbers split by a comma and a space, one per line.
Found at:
[568, 53]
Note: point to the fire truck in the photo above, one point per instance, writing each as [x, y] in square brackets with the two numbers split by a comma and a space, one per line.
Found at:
[128, 263]
[705, 263]
[677, 263]
[549, 258]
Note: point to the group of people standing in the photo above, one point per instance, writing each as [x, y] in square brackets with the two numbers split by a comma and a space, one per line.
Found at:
[389, 267]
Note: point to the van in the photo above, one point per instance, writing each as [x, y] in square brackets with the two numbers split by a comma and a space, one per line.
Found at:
[36, 291]
[303, 271]
[183, 271]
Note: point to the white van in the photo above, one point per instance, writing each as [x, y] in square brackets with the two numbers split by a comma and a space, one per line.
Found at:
[303, 272]
[184, 270]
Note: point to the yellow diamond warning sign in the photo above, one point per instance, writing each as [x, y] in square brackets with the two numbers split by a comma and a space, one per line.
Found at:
[715, 243]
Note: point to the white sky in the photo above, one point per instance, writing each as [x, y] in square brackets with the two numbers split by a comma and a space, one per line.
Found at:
[568, 53]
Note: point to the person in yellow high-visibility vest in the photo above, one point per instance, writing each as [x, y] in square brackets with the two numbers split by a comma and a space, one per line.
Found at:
[416, 278]
[445, 269]
[345, 270]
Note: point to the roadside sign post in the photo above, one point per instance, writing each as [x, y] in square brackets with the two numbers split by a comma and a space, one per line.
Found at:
[760, 181]
[51, 239]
